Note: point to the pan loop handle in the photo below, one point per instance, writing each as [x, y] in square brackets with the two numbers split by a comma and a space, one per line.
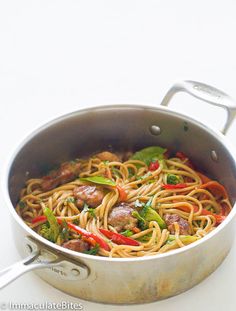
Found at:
[206, 93]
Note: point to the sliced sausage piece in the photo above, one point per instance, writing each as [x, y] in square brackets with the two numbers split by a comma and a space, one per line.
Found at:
[77, 245]
[67, 172]
[107, 156]
[121, 217]
[184, 227]
[91, 195]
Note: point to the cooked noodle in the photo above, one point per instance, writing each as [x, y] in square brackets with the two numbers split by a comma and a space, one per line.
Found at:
[140, 184]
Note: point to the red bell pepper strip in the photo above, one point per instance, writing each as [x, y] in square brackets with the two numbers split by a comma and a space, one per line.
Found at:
[215, 188]
[136, 230]
[186, 209]
[153, 166]
[225, 209]
[87, 234]
[172, 186]
[41, 218]
[218, 217]
[182, 156]
[203, 178]
[91, 237]
[89, 240]
[122, 193]
[119, 238]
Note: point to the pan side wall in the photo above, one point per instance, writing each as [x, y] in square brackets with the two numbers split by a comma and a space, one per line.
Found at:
[141, 281]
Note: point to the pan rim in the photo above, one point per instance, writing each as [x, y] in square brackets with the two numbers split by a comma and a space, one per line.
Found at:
[7, 167]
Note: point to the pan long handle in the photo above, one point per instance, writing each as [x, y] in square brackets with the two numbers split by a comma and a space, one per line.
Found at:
[40, 257]
[11, 273]
[206, 93]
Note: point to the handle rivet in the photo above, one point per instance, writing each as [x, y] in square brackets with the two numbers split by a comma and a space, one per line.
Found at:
[155, 130]
[214, 155]
[75, 272]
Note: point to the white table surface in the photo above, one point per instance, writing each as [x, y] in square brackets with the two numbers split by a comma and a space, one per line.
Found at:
[59, 56]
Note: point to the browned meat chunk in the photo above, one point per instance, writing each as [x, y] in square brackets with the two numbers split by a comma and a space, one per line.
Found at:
[121, 217]
[184, 227]
[125, 156]
[67, 172]
[91, 195]
[107, 156]
[77, 245]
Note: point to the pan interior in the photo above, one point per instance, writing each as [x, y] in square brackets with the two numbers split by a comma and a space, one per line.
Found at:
[120, 128]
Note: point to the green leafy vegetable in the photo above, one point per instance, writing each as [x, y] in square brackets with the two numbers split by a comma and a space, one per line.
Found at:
[210, 208]
[174, 179]
[163, 164]
[127, 233]
[51, 229]
[148, 174]
[22, 204]
[150, 181]
[148, 214]
[116, 172]
[142, 223]
[186, 239]
[131, 172]
[99, 180]
[75, 221]
[64, 234]
[70, 200]
[145, 238]
[93, 251]
[149, 154]
[89, 210]
[106, 162]
[149, 203]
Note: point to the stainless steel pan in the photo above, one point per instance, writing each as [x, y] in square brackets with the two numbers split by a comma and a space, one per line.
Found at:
[122, 127]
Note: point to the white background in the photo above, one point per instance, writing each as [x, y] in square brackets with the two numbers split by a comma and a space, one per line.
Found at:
[59, 56]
